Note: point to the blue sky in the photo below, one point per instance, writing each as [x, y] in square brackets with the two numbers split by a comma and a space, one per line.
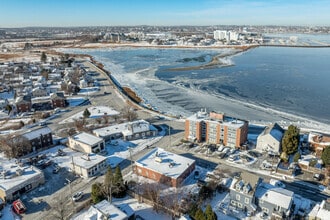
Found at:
[22, 13]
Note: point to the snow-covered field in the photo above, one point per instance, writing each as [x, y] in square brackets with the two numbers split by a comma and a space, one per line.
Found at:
[96, 112]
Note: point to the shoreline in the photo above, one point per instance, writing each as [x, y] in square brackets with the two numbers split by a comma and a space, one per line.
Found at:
[305, 123]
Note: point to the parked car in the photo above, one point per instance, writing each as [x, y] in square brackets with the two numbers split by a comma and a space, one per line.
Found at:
[277, 183]
[220, 149]
[77, 196]
[56, 170]
[317, 177]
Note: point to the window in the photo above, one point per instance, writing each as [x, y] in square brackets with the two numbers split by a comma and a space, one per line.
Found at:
[246, 200]
[233, 202]
[239, 205]
[238, 197]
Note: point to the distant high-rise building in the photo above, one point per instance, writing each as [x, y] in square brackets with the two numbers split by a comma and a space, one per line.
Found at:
[216, 128]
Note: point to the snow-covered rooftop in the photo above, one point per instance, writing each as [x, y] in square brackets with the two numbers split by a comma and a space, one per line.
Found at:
[87, 138]
[88, 161]
[35, 133]
[12, 179]
[101, 210]
[129, 128]
[227, 121]
[274, 195]
[166, 163]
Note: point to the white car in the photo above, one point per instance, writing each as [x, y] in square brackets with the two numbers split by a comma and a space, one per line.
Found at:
[77, 196]
[276, 183]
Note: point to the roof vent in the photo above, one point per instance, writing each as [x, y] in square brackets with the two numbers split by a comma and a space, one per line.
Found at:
[158, 159]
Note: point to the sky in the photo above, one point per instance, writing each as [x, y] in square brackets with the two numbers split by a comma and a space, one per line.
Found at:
[68, 13]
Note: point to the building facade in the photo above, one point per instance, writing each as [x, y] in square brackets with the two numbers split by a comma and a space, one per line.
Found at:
[89, 165]
[242, 192]
[58, 100]
[40, 138]
[86, 143]
[23, 104]
[270, 140]
[16, 181]
[216, 128]
[274, 201]
[128, 131]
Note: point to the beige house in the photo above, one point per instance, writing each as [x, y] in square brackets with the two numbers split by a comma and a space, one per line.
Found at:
[270, 139]
[86, 143]
[88, 165]
[16, 180]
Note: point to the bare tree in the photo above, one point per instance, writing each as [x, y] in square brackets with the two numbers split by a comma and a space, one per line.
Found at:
[15, 146]
[129, 113]
[62, 208]
[79, 124]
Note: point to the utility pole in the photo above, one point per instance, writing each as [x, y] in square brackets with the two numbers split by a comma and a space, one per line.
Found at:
[130, 155]
[169, 133]
[69, 181]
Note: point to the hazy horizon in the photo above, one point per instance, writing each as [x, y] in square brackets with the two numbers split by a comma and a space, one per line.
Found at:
[83, 13]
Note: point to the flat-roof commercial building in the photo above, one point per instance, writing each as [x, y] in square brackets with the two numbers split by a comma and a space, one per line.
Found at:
[86, 143]
[16, 180]
[88, 165]
[127, 131]
[216, 128]
[165, 167]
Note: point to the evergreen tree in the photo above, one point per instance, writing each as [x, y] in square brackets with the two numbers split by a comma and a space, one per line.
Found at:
[290, 140]
[209, 214]
[200, 214]
[108, 184]
[193, 207]
[118, 177]
[96, 194]
[119, 189]
[43, 57]
[86, 113]
[326, 156]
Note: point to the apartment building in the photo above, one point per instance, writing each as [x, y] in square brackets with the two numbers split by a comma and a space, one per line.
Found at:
[216, 128]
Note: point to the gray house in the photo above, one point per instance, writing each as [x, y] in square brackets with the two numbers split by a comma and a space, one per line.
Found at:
[242, 192]
[274, 202]
[270, 139]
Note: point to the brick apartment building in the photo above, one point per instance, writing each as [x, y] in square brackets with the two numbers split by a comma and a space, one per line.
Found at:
[216, 128]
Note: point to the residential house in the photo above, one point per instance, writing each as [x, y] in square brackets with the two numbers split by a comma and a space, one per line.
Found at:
[320, 211]
[89, 165]
[127, 131]
[318, 142]
[86, 143]
[274, 202]
[242, 192]
[23, 103]
[270, 139]
[58, 100]
[216, 128]
[165, 167]
[104, 210]
[40, 137]
[39, 92]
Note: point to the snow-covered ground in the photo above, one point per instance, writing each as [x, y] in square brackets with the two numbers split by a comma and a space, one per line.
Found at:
[88, 90]
[96, 112]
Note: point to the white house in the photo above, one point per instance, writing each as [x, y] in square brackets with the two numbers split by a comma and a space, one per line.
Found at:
[88, 165]
[270, 139]
[127, 131]
[86, 143]
[101, 211]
